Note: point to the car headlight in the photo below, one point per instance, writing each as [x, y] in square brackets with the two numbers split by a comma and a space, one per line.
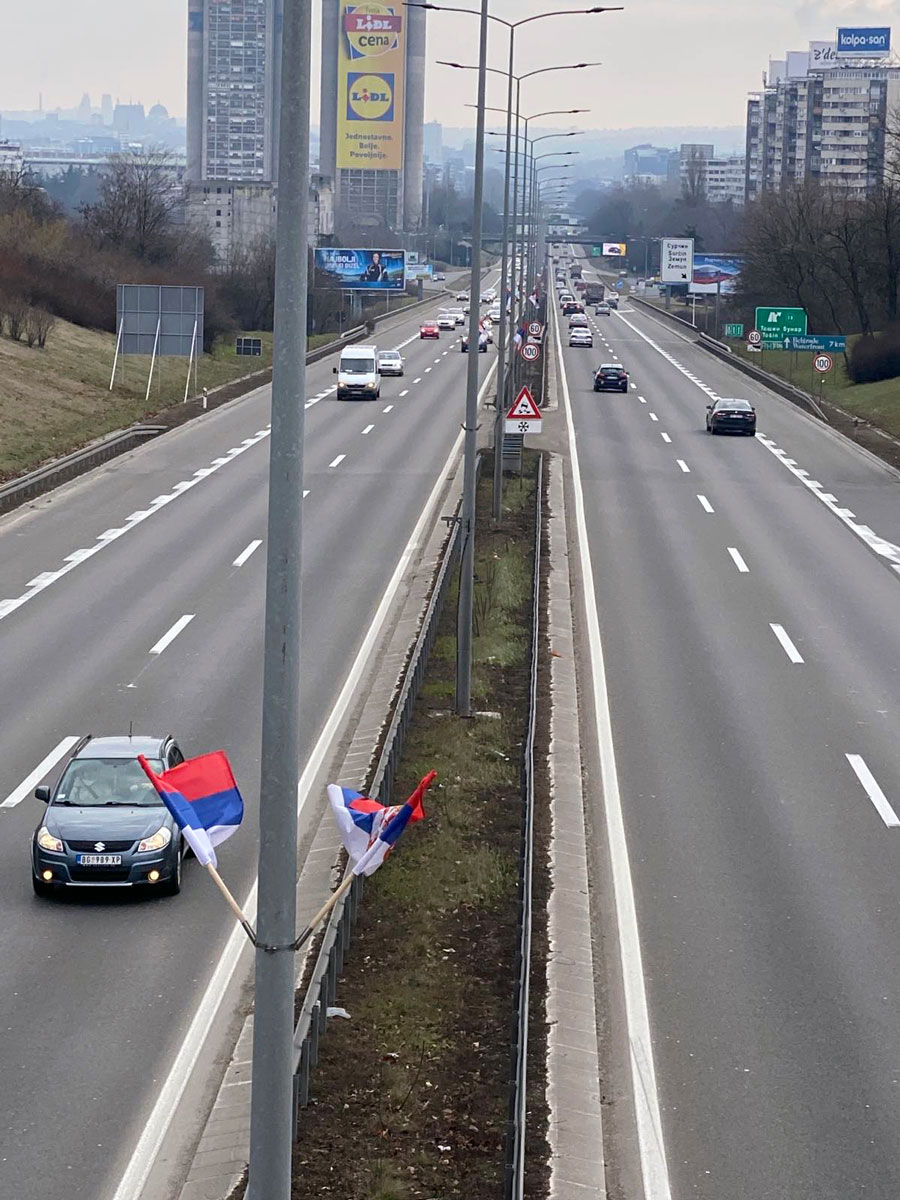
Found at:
[156, 841]
[48, 841]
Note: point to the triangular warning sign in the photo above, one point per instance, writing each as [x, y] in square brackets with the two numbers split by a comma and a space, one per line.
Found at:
[524, 406]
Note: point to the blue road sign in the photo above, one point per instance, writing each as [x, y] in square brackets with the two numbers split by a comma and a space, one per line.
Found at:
[830, 343]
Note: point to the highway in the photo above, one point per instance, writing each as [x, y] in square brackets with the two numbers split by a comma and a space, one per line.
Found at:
[137, 594]
[747, 594]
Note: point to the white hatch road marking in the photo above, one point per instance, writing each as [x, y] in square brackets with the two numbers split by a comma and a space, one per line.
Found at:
[683, 465]
[786, 644]
[368, 429]
[336, 462]
[738, 560]
[665, 437]
[47, 578]
[651, 1146]
[245, 554]
[169, 1094]
[880, 546]
[168, 638]
[654, 417]
[388, 409]
[873, 791]
[705, 503]
[45, 765]
[405, 392]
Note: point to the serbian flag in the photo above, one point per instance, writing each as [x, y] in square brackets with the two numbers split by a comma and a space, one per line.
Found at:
[370, 830]
[202, 796]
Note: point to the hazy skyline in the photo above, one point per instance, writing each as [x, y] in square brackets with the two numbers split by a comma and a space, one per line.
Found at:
[665, 62]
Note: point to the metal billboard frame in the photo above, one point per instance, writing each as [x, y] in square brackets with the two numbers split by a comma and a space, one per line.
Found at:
[159, 320]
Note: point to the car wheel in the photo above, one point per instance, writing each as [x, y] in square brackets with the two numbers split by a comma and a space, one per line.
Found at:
[712, 429]
[173, 886]
[44, 890]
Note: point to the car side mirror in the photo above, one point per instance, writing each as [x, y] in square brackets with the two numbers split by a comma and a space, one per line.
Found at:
[42, 793]
[709, 408]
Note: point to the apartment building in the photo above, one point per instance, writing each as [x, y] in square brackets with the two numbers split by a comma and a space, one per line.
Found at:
[726, 179]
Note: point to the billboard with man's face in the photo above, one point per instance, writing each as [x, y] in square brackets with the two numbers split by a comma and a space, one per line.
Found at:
[363, 270]
[371, 86]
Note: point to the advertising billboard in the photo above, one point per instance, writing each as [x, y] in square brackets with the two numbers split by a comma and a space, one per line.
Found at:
[417, 270]
[363, 270]
[614, 249]
[371, 86]
[822, 54]
[864, 43]
[713, 270]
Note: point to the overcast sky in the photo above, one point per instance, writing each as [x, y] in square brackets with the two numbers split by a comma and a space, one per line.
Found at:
[666, 62]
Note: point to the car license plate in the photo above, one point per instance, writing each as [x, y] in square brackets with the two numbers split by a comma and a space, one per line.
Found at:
[99, 860]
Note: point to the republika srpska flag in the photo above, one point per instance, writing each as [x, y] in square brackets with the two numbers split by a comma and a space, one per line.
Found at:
[370, 830]
[202, 796]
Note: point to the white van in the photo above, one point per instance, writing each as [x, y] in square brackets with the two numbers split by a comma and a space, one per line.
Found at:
[358, 374]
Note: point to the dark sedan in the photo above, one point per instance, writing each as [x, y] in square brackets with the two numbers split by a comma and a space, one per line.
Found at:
[105, 825]
[611, 377]
[731, 416]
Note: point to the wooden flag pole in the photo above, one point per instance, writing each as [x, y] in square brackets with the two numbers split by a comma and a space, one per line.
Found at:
[324, 910]
[232, 903]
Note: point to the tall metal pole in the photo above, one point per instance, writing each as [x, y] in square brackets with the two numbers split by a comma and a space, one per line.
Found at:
[270, 1118]
[526, 217]
[467, 569]
[515, 235]
[500, 415]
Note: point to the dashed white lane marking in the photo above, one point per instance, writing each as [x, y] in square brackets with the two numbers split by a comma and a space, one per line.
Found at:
[405, 392]
[683, 465]
[634, 387]
[336, 462]
[305, 493]
[437, 360]
[738, 560]
[705, 504]
[786, 644]
[388, 409]
[46, 764]
[654, 417]
[172, 634]
[665, 437]
[419, 380]
[427, 369]
[642, 400]
[245, 554]
[873, 791]
[368, 429]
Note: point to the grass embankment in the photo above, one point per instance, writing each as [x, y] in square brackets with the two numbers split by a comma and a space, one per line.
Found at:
[55, 400]
[410, 1095]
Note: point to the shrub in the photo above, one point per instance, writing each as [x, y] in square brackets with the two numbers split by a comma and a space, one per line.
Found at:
[16, 312]
[875, 357]
[38, 325]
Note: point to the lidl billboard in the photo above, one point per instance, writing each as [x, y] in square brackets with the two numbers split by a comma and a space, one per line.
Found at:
[371, 87]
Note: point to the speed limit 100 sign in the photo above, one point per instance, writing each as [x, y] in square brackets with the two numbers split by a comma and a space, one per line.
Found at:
[531, 352]
[823, 363]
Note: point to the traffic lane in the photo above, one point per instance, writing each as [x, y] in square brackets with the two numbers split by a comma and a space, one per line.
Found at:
[871, 489]
[185, 693]
[704, 781]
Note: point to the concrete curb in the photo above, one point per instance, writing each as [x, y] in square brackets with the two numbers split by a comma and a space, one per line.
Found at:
[577, 1155]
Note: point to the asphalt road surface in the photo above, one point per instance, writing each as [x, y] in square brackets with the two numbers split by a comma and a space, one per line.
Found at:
[748, 599]
[136, 594]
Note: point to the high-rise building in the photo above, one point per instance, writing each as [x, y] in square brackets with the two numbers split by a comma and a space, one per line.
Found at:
[234, 78]
[647, 164]
[726, 179]
[372, 116]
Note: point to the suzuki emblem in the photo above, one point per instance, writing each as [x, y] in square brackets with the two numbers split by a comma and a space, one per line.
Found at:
[99, 846]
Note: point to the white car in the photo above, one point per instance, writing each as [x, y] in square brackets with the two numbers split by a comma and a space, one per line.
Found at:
[578, 321]
[390, 362]
[446, 320]
[458, 315]
[463, 297]
[581, 337]
[602, 310]
[494, 314]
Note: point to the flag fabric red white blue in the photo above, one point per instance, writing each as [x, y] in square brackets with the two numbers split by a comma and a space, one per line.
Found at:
[370, 830]
[202, 796]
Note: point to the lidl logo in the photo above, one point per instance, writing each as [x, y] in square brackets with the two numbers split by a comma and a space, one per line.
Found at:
[370, 97]
[371, 29]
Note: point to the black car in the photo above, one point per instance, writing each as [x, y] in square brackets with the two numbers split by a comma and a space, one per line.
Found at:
[731, 416]
[611, 377]
[105, 825]
[482, 343]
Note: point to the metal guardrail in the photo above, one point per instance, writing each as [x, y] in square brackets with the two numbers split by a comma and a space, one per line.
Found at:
[514, 1180]
[322, 987]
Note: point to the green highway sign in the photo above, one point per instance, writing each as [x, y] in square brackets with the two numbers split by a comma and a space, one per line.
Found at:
[776, 324]
[596, 251]
[734, 331]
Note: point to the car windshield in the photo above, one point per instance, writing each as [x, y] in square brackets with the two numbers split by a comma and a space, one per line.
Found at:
[389, 355]
[356, 366]
[93, 782]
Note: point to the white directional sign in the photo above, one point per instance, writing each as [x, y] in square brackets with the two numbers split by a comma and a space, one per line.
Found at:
[524, 416]
[677, 260]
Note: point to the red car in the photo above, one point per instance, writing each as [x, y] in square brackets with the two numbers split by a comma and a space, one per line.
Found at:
[429, 329]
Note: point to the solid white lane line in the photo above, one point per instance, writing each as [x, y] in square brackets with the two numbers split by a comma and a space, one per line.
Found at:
[45, 765]
[873, 791]
[706, 504]
[651, 1145]
[786, 644]
[245, 554]
[389, 407]
[405, 392]
[654, 417]
[738, 560]
[368, 429]
[665, 437]
[168, 638]
[337, 461]
[683, 465]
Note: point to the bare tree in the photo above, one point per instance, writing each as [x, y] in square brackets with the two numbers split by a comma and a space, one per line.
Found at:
[138, 197]
[37, 327]
[696, 175]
